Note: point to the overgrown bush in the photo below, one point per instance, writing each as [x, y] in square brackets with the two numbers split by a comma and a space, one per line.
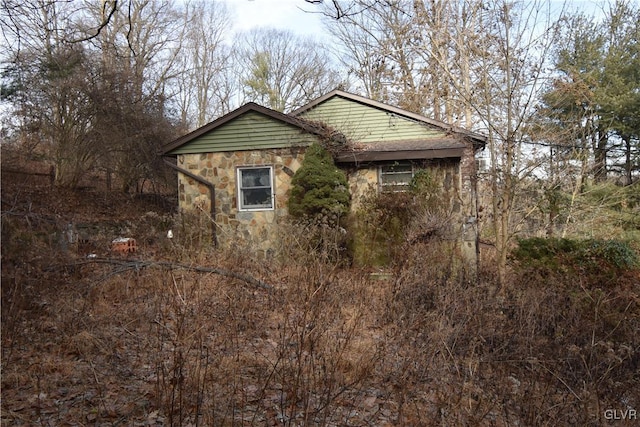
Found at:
[312, 240]
[592, 255]
[386, 222]
[105, 341]
[599, 211]
[318, 204]
[379, 227]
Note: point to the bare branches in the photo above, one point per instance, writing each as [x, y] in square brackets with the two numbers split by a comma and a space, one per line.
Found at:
[109, 8]
[340, 10]
[283, 71]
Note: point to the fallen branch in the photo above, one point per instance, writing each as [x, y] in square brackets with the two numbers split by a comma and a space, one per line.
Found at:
[137, 265]
[221, 271]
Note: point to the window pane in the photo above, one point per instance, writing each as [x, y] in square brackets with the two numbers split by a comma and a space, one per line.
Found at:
[255, 188]
[255, 178]
[397, 178]
[256, 198]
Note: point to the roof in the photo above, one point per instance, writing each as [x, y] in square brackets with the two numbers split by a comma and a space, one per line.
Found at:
[307, 126]
[403, 150]
[477, 140]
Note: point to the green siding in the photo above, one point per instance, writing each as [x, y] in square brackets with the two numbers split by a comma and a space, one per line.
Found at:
[364, 123]
[250, 131]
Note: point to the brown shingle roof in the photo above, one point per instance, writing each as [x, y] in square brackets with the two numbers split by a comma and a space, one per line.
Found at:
[398, 150]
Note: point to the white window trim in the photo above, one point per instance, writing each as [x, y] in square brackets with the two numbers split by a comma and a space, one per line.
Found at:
[382, 186]
[239, 188]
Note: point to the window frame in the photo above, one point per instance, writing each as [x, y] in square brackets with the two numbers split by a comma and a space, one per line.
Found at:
[240, 189]
[394, 187]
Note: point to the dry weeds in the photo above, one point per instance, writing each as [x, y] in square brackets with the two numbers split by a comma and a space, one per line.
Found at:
[330, 345]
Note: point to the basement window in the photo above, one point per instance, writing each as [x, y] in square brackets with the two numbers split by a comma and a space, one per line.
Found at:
[395, 177]
[255, 188]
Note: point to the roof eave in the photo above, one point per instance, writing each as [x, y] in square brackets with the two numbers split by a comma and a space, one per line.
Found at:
[381, 156]
[479, 142]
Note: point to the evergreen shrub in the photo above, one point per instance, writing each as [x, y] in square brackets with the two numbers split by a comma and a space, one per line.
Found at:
[319, 189]
[594, 255]
[319, 203]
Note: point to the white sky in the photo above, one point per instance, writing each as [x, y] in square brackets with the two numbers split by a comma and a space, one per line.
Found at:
[279, 14]
[291, 15]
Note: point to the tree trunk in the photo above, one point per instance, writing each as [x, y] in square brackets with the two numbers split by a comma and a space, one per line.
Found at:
[600, 157]
[628, 166]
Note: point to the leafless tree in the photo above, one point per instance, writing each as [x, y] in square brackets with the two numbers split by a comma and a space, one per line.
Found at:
[61, 74]
[282, 71]
[407, 53]
[135, 61]
[40, 79]
[205, 88]
[517, 40]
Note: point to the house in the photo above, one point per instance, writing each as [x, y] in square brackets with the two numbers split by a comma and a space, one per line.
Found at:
[239, 167]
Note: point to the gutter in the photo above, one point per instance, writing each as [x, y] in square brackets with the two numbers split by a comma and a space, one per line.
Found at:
[212, 194]
[373, 155]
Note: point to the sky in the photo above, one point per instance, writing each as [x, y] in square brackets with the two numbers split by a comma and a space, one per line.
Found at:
[291, 15]
[280, 14]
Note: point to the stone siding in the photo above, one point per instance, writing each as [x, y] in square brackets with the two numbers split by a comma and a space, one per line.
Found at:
[447, 172]
[469, 219]
[259, 229]
[456, 180]
[361, 181]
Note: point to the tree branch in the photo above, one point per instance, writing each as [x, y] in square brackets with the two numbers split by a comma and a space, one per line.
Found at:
[103, 24]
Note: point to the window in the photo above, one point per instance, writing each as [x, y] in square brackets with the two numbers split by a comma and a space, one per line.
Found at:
[255, 188]
[396, 176]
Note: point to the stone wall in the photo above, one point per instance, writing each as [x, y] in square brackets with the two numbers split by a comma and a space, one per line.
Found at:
[259, 229]
[456, 181]
[361, 181]
[469, 227]
[446, 172]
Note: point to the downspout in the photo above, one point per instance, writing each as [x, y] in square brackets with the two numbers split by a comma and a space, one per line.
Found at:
[212, 194]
